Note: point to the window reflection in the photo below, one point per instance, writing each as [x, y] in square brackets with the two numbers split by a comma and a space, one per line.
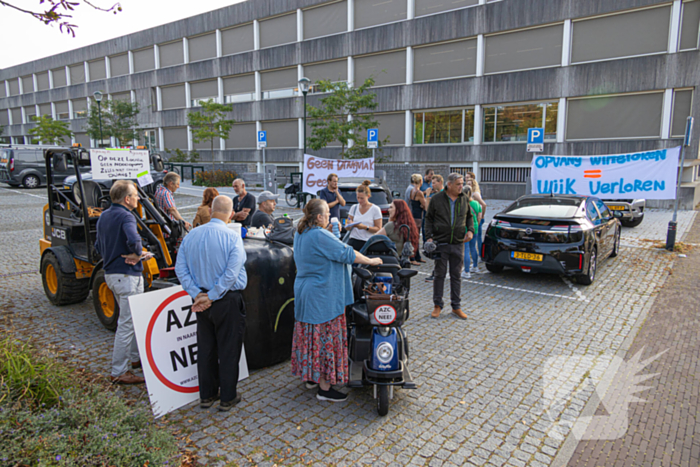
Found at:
[444, 127]
[510, 123]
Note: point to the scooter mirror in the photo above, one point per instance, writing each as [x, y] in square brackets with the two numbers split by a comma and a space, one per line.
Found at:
[363, 274]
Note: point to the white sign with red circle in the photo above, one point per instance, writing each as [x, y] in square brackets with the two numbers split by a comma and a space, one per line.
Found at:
[385, 314]
[166, 333]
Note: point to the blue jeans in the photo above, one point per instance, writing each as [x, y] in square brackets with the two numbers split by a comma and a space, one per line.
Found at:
[470, 250]
[480, 237]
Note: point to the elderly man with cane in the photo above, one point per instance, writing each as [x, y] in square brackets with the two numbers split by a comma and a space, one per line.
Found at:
[210, 266]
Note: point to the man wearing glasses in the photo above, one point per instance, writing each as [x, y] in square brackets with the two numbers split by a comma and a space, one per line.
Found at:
[119, 243]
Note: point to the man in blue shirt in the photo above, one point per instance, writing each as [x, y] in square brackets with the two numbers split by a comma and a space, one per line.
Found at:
[210, 267]
[331, 195]
[119, 243]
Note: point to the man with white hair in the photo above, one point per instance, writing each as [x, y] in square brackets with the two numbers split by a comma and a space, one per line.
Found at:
[210, 266]
[243, 204]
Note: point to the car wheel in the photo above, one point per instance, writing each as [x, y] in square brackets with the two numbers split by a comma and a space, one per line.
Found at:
[587, 279]
[31, 181]
[632, 222]
[616, 245]
[494, 268]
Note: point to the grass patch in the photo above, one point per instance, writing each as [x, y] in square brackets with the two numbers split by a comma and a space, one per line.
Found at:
[54, 415]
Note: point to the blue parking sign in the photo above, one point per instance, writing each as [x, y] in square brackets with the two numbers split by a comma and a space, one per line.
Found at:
[372, 138]
[535, 136]
[262, 139]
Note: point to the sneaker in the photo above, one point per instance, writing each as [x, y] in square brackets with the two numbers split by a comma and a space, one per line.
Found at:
[226, 406]
[331, 395]
[466, 275]
[310, 385]
[206, 403]
[430, 278]
[480, 271]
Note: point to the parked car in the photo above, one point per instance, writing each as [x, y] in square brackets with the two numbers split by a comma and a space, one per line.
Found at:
[631, 210]
[559, 234]
[381, 196]
[24, 165]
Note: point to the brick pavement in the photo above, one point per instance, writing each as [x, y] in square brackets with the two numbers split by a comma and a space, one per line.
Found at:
[664, 430]
[480, 395]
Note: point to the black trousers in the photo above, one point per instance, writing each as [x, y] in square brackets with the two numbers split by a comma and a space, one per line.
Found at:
[220, 331]
[452, 256]
[356, 244]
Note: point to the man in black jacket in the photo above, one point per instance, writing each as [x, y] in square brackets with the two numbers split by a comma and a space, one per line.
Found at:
[449, 224]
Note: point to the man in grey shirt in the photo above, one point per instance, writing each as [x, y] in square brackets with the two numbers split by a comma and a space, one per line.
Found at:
[267, 202]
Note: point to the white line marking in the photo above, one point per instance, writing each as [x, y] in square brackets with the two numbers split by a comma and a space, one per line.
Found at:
[574, 289]
[21, 193]
[516, 289]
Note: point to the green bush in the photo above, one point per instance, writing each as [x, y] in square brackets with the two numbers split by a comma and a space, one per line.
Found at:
[50, 415]
[178, 155]
[215, 178]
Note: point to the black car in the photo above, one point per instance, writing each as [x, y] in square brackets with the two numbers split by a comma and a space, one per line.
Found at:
[559, 234]
[381, 196]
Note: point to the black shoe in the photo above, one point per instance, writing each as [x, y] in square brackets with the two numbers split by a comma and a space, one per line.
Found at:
[430, 278]
[310, 385]
[206, 403]
[226, 406]
[331, 395]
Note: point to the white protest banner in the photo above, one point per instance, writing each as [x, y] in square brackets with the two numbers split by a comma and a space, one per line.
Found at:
[112, 164]
[316, 170]
[639, 175]
[166, 334]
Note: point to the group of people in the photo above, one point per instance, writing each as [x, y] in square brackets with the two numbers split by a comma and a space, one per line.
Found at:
[211, 268]
[244, 204]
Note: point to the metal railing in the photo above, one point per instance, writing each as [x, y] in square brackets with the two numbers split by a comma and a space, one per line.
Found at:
[179, 168]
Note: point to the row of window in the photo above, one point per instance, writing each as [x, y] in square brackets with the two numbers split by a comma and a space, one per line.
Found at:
[621, 116]
[626, 34]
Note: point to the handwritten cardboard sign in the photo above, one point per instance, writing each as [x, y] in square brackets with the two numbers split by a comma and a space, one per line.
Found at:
[115, 164]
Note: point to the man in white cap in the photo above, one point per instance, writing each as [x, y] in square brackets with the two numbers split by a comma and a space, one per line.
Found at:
[267, 202]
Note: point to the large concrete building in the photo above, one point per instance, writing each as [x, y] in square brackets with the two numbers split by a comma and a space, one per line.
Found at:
[458, 82]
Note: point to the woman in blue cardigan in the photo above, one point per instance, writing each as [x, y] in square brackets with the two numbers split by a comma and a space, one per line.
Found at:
[322, 289]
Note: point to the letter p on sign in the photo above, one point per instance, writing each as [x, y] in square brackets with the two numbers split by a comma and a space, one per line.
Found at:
[372, 138]
[535, 139]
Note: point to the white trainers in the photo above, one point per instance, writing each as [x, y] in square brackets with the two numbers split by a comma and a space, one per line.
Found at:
[466, 275]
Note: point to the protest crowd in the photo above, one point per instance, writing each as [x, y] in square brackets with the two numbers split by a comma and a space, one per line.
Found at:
[446, 211]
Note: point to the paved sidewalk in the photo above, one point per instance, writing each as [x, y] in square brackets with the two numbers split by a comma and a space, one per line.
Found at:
[664, 431]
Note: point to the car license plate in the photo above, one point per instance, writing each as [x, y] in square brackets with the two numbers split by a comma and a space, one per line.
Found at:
[527, 256]
[616, 208]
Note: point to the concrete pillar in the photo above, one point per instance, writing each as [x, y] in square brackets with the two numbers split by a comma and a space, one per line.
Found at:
[675, 27]
[219, 47]
[409, 65]
[300, 25]
[409, 129]
[561, 121]
[351, 15]
[667, 114]
[566, 44]
[478, 124]
[256, 34]
[480, 55]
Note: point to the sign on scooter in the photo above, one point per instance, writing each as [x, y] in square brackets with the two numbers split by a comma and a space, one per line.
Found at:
[385, 314]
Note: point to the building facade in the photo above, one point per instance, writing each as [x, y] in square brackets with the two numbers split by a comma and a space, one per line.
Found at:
[458, 82]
